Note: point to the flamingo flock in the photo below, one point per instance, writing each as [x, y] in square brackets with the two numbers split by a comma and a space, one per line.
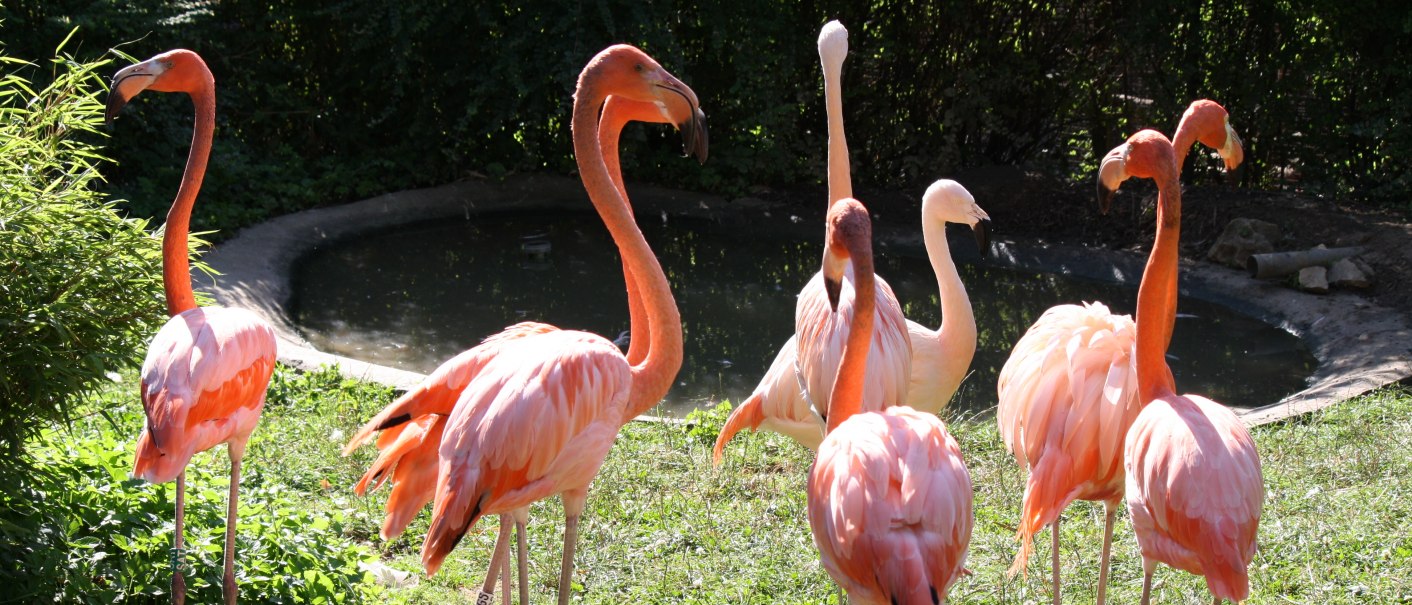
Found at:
[1086, 403]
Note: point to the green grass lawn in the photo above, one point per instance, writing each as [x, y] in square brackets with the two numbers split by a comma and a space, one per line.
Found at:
[665, 526]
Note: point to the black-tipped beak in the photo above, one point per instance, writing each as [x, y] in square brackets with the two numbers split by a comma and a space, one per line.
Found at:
[832, 287]
[1105, 198]
[126, 84]
[694, 136]
[982, 232]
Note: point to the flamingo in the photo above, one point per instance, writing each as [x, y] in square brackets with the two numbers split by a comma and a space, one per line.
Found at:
[1068, 394]
[412, 426]
[939, 358]
[1192, 473]
[889, 496]
[207, 369]
[539, 414]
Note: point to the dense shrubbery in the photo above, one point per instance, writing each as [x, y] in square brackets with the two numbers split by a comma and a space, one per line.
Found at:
[80, 286]
[75, 529]
[325, 102]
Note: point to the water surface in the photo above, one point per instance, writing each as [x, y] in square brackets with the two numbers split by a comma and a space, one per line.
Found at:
[417, 295]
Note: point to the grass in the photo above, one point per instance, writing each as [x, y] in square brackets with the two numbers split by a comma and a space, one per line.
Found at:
[665, 526]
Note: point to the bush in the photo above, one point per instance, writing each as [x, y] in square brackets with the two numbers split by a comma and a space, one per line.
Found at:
[75, 529]
[80, 286]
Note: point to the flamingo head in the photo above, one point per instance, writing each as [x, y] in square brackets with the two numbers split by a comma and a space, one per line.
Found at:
[848, 237]
[178, 70]
[627, 72]
[1212, 125]
[1146, 154]
[833, 45]
[948, 202]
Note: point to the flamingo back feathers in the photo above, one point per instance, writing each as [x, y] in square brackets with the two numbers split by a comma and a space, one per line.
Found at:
[1195, 490]
[890, 507]
[537, 421]
[1067, 395]
[822, 332]
[203, 384]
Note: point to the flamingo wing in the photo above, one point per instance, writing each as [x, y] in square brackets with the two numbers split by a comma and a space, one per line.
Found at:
[1195, 490]
[778, 404]
[1067, 395]
[439, 391]
[890, 507]
[537, 421]
[821, 333]
[203, 383]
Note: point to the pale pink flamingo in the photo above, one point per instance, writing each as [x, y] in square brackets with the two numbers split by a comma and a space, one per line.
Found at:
[1193, 479]
[889, 496]
[910, 363]
[412, 426]
[207, 369]
[1068, 394]
[539, 415]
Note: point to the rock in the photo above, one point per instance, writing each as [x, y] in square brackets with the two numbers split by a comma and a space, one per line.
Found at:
[1241, 238]
[1346, 274]
[1314, 279]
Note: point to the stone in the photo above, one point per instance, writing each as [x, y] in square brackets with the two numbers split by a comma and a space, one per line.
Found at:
[1242, 238]
[1314, 279]
[1346, 274]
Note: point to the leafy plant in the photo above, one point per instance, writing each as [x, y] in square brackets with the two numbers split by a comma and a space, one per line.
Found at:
[78, 530]
[80, 285]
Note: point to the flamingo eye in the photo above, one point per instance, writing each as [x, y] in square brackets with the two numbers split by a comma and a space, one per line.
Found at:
[639, 68]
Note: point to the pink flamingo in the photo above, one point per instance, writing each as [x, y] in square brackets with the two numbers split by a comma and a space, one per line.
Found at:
[1193, 480]
[206, 372]
[539, 415]
[1068, 393]
[889, 497]
[938, 358]
[412, 426]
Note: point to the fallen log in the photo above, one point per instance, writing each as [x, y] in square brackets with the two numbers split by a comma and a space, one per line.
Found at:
[1275, 264]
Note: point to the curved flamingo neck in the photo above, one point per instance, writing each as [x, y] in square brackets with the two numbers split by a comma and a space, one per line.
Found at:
[840, 177]
[653, 376]
[846, 398]
[1157, 296]
[176, 268]
[957, 334]
[616, 116]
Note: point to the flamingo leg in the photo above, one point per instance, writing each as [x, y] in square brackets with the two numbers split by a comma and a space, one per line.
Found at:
[523, 555]
[566, 569]
[228, 587]
[1109, 516]
[178, 555]
[1054, 559]
[505, 581]
[497, 560]
[1148, 566]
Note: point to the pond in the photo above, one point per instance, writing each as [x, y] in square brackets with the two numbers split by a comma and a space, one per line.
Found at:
[415, 296]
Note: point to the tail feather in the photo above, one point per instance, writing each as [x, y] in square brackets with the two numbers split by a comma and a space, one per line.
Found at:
[1048, 491]
[749, 414]
[447, 530]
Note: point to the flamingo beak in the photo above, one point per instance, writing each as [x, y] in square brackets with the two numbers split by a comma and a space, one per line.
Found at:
[693, 128]
[1111, 173]
[694, 137]
[834, 264]
[1233, 152]
[982, 232]
[127, 83]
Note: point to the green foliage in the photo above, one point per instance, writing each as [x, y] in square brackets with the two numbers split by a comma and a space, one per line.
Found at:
[76, 529]
[81, 284]
[326, 102]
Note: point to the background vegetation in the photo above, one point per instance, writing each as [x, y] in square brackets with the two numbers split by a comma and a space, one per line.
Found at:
[80, 285]
[323, 102]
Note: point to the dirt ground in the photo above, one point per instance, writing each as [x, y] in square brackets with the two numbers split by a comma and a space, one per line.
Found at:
[1029, 208]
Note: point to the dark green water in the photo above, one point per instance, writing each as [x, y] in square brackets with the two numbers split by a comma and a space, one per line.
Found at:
[414, 297]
